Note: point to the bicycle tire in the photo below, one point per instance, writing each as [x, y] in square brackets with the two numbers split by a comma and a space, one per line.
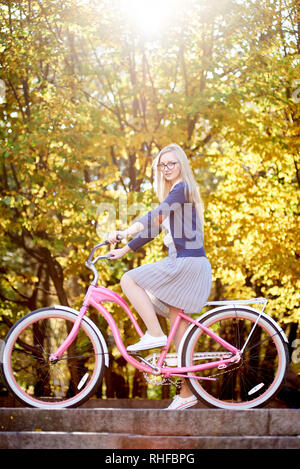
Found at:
[31, 377]
[247, 384]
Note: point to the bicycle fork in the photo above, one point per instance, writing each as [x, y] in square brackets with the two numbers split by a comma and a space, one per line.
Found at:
[71, 336]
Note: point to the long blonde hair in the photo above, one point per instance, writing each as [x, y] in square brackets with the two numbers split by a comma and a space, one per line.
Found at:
[163, 187]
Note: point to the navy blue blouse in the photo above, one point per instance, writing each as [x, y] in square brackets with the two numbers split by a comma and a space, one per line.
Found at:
[184, 222]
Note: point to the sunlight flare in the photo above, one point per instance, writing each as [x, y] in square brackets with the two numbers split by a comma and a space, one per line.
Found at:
[150, 17]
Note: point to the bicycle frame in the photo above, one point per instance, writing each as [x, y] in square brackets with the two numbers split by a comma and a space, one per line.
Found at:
[96, 295]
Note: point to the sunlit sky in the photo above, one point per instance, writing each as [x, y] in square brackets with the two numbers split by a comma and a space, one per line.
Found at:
[150, 16]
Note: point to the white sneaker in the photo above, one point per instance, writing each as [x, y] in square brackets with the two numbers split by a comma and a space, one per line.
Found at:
[181, 403]
[148, 341]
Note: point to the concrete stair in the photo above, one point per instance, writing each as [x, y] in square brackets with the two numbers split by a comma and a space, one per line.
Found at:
[149, 428]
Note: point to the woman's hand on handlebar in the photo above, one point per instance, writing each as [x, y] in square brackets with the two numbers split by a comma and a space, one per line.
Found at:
[116, 254]
[113, 236]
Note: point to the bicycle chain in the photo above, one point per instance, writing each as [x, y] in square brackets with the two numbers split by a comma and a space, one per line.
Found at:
[226, 371]
[164, 382]
[169, 381]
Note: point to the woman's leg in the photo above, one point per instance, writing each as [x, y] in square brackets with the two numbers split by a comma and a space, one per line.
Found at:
[185, 390]
[143, 305]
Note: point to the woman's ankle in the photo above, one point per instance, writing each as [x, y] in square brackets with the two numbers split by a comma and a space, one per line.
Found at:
[184, 390]
[185, 394]
[155, 333]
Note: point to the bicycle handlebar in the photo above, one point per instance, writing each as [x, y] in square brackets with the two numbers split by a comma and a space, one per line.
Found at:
[89, 261]
[94, 249]
[90, 264]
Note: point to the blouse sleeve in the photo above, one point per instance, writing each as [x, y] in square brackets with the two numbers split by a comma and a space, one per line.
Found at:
[152, 220]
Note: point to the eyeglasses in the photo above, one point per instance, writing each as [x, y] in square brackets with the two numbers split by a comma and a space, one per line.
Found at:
[169, 166]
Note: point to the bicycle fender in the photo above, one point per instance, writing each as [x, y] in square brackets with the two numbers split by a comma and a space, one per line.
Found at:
[93, 326]
[224, 308]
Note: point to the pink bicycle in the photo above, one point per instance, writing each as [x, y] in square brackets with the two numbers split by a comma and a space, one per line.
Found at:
[234, 356]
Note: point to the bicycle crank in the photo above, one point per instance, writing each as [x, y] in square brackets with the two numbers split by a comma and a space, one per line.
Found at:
[155, 378]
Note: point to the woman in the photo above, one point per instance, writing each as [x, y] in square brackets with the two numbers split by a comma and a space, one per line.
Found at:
[183, 279]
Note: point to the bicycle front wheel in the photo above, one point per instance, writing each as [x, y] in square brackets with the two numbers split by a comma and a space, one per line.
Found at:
[36, 381]
[256, 378]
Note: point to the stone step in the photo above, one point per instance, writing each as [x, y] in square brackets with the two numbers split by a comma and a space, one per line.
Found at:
[123, 428]
[115, 441]
[191, 422]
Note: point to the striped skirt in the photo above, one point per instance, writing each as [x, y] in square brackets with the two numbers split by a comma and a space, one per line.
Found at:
[183, 282]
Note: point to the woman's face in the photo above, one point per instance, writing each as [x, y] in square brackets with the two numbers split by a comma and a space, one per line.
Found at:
[170, 167]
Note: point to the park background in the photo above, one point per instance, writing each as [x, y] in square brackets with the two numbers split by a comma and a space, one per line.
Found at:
[91, 91]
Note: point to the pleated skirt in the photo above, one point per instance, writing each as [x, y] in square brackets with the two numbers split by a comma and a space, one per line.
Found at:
[183, 282]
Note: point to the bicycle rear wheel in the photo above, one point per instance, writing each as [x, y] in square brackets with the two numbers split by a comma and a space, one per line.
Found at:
[256, 378]
[36, 381]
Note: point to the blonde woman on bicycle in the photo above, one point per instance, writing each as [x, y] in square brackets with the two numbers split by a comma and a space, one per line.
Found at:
[183, 279]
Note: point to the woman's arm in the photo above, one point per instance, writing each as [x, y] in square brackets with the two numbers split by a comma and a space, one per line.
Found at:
[130, 231]
[152, 220]
[133, 229]
[150, 224]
